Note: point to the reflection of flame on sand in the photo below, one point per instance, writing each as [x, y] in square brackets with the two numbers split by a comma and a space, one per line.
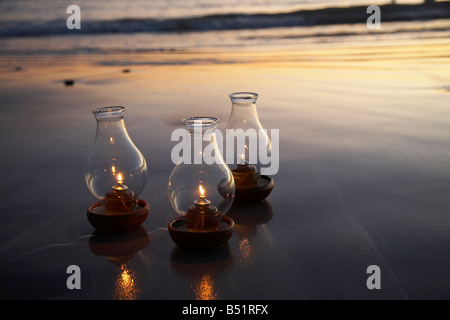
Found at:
[125, 285]
[247, 218]
[204, 289]
[245, 249]
[201, 269]
[119, 250]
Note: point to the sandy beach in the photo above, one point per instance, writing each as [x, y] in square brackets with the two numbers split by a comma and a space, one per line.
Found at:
[363, 173]
[363, 178]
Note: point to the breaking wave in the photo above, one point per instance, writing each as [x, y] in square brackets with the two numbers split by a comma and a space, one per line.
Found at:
[224, 21]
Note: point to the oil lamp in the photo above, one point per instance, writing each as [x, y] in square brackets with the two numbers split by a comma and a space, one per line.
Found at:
[201, 188]
[115, 173]
[245, 140]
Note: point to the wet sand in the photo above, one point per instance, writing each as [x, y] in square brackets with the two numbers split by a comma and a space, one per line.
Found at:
[364, 170]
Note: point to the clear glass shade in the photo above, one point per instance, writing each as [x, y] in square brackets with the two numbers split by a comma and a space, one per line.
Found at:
[245, 140]
[201, 175]
[114, 159]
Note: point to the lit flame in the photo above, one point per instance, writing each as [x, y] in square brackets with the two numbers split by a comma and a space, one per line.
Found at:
[202, 191]
[119, 179]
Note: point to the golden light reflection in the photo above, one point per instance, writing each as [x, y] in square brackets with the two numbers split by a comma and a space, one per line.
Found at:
[125, 286]
[204, 290]
[245, 249]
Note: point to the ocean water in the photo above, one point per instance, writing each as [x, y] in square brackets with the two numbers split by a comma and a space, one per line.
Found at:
[48, 10]
[29, 27]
